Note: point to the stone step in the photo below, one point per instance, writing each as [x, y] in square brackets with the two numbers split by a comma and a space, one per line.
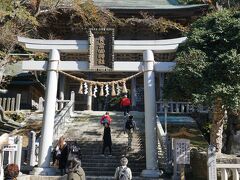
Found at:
[111, 164]
[110, 169]
[100, 178]
[85, 139]
[116, 147]
[98, 172]
[98, 156]
[91, 132]
[108, 160]
[112, 178]
[35, 177]
[88, 133]
[114, 153]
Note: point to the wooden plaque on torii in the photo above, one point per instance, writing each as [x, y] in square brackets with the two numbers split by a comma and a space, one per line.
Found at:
[101, 46]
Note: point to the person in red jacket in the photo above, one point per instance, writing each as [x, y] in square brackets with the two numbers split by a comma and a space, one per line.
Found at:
[106, 119]
[125, 103]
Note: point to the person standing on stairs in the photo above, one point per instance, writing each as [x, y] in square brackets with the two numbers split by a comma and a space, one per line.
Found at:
[130, 126]
[107, 139]
[123, 172]
[125, 104]
[106, 119]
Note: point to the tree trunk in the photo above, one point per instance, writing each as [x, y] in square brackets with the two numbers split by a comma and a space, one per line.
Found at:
[230, 131]
[217, 125]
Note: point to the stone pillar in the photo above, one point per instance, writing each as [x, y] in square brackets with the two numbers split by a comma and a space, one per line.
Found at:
[150, 117]
[18, 102]
[48, 114]
[89, 99]
[211, 163]
[161, 84]
[61, 89]
[133, 92]
[19, 151]
[89, 103]
[31, 149]
[72, 98]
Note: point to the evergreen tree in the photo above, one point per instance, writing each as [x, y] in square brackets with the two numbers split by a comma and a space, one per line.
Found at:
[208, 68]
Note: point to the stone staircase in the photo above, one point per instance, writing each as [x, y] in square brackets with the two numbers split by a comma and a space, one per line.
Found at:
[87, 132]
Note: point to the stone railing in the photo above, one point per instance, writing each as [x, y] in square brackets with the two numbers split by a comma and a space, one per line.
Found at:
[229, 168]
[226, 170]
[11, 104]
[63, 117]
[59, 104]
[165, 146]
[178, 107]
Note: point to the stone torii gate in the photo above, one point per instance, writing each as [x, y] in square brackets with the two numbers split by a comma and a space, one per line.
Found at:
[148, 65]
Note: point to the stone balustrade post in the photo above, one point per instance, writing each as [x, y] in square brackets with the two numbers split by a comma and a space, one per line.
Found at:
[18, 157]
[72, 98]
[31, 149]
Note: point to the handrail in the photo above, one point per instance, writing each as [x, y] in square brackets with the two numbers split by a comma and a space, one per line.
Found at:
[228, 166]
[163, 139]
[63, 117]
[59, 104]
[63, 113]
[160, 130]
[224, 173]
[224, 168]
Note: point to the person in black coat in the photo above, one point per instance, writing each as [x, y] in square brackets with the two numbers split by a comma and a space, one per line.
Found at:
[63, 157]
[107, 140]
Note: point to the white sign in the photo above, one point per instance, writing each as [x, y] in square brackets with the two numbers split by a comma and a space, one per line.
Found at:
[10, 147]
[182, 151]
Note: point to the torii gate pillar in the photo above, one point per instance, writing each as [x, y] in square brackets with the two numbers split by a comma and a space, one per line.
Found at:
[150, 117]
[48, 115]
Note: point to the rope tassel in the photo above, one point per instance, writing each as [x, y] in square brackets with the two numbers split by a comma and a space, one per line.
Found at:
[113, 93]
[95, 91]
[107, 90]
[118, 89]
[85, 88]
[124, 87]
[80, 91]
